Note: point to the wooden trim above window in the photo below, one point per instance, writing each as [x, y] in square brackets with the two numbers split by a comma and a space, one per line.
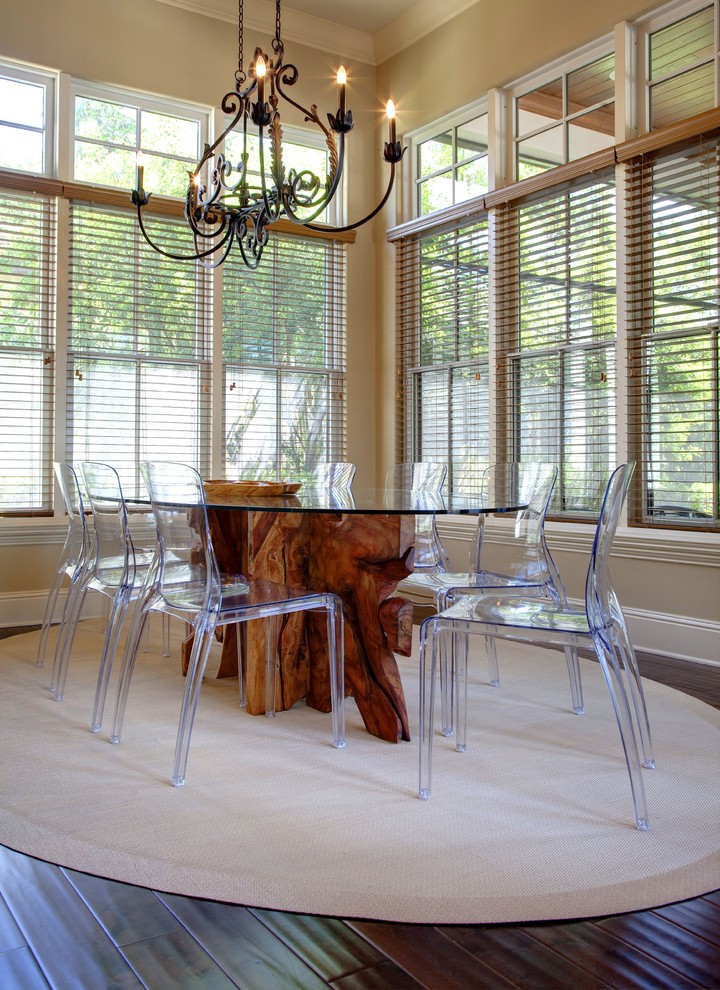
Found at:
[160, 205]
[702, 124]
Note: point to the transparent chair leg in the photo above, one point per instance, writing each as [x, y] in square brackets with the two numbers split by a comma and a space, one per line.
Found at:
[193, 683]
[576, 692]
[117, 615]
[428, 640]
[637, 695]
[130, 653]
[615, 684]
[53, 595]
[448, 686]
[272, 648]
[336, 651]
[240, 634]
[145, 640]
[166, 635]
[460, 650]
[493, 669]
[64, 646]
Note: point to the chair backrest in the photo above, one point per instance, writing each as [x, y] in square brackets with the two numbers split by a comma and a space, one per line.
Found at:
[528, 557]
[417, 476]
[334, 474]
[600, 598]
[77, 543]
[114, 550]
[188, 575]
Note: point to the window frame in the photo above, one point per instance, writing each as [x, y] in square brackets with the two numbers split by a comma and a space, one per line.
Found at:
[559, 69]
[49, 82]
[453, 122]
[656, 21]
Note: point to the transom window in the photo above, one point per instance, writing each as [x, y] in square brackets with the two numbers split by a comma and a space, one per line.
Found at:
[680, 66]
[109, 135]
[452, 165]
[565, 118]
[26, 109]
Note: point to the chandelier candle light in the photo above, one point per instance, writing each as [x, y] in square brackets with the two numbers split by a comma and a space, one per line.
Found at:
[235, 205]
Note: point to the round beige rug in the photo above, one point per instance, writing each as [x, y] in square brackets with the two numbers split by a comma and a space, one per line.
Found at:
[534, 822]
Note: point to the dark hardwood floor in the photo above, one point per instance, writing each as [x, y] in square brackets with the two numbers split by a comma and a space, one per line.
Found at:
[72, 931]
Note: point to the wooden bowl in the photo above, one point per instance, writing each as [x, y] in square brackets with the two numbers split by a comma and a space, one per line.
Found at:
[219, 488]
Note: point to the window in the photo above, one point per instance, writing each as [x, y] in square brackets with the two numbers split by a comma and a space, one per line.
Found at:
[555, 268]
[132, 378]
[680, 61]
[138, 374]
[582, 325]
[452, 166]
[26, 120]
[27, 351]
[111, 129]
[284, 360]
[565, 118]
[673, 215]
[444, 340]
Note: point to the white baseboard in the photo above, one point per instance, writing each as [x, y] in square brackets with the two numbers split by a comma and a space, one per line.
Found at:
[26, 608]
[678, 636]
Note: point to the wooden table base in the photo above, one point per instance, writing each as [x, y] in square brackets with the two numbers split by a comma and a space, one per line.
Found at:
[362, 558]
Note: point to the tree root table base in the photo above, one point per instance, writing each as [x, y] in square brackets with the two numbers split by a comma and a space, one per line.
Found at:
[361, 558]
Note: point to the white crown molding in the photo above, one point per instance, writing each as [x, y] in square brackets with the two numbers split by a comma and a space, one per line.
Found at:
[316, 32]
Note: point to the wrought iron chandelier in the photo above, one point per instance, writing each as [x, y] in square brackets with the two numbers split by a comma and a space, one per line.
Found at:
[234, 205]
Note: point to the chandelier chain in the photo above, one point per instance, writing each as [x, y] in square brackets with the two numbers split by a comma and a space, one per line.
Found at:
[277, 20]
[240, 74]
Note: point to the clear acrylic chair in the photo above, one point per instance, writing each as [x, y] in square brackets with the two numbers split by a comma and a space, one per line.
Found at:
[189, 586]
[422, 476]
[75, 556]
[544, 622]
[334, 474]
[528, 565]
[116, 572]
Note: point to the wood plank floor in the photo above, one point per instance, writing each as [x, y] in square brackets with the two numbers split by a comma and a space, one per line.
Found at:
[71, 931]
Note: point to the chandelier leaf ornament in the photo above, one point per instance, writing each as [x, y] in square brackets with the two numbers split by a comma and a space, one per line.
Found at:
[230, 203]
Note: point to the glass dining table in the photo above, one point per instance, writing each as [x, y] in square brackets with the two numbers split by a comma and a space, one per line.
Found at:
[357, 544]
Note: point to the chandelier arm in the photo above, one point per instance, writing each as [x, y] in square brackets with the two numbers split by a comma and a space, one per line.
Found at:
[328, 229]
[310, 115]
[227, 244]
[330, 192]
[182, 257]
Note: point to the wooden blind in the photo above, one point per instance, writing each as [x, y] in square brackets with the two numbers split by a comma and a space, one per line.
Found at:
[673, 275]
[443, 321]
[138, 378]
[27, 351]
[555, 280]
[284, 360]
